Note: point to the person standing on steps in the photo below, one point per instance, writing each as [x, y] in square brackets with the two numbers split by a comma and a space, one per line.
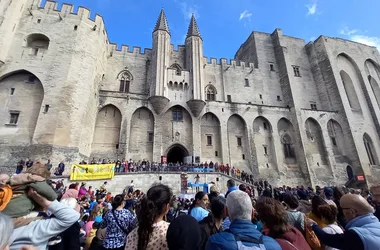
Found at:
[197, 182]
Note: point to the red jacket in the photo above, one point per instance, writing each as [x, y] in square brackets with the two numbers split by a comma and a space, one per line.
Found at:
[292, 240]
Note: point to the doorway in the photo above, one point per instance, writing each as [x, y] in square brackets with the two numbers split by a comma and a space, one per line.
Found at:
[176, 153]
[350, 173]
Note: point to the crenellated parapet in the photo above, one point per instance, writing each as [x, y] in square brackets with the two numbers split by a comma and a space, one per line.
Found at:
[114, 49]
[67, 11]
[180, 48]
[235, 64]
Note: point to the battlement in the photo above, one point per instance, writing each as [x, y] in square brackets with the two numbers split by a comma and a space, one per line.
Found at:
[225, 62]
[68, 10]
[180, 48]
[114, 49]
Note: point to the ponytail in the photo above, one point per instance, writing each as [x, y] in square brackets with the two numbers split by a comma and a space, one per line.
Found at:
[146, 215]
[192, 206]
[198, 196]
[151, 207]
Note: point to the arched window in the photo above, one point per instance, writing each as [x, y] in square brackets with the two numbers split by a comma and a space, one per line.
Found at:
[288, 146]
[177, 68]
[210, 93]
[350, 90]
[370, 150]
[37, 42]
[125, 79]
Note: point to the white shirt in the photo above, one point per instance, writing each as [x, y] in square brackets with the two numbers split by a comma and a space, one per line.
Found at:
[332, 229]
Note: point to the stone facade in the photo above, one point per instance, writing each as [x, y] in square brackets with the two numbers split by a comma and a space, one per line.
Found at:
[291, 112]
[143, 181]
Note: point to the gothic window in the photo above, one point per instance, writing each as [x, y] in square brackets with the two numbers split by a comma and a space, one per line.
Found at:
[177, 114]
[288, 146]
[296, 70]
[125, 79]
[177, 68]
[370, 150]
[210, 93]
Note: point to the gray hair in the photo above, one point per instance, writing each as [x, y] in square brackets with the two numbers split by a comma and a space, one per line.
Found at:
[239, 206]
[6, 229]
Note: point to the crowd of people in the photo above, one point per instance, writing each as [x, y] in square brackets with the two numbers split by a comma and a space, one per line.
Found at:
[37, 213]
[131, 166]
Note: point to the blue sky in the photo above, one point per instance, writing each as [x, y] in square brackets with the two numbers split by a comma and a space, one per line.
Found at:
[226, 24]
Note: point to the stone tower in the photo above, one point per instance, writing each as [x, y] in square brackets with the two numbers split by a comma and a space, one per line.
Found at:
[193, 62]
[10, 14]
[160, 62]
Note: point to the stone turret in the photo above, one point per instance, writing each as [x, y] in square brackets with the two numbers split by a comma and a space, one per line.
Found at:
[194, 56]
[160, 61]
[10, 14]
[162, 23]
[193, 28]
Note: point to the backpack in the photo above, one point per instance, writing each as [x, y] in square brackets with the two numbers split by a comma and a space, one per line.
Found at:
[311, 238]
[239, 241]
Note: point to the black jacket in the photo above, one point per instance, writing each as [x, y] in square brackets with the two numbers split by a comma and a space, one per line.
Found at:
[70, 239]
[377, 212]
[346, 241]
[208, 228]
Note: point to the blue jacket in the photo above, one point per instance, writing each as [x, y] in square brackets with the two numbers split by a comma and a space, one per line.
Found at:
[243, 228]
[230, 189]
[368, 228]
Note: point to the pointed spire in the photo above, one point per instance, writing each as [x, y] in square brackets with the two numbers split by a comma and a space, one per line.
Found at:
[193, 28]
[162, 23]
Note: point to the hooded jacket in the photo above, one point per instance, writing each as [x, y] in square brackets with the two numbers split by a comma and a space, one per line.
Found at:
[242, 228]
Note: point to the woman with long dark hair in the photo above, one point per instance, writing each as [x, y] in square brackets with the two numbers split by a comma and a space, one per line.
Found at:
[119, 222]
[275, 222]
[338, 193]
[151, 232]
[199, 206]
[316, 202]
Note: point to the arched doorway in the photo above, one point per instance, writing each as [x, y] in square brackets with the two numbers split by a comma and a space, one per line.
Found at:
[350, 173]
[176, 153]
[22, 94]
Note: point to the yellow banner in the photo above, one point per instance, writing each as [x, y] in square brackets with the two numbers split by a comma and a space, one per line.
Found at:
[92, 172]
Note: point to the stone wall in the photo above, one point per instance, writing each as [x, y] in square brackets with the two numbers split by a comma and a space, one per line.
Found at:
[143, 181]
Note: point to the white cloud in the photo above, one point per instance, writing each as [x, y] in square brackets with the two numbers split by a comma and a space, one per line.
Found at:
[368, 40]
[357, 36]
[312, 38]
[188, 11]
[312, 8]
[347, 32]
[245, 14]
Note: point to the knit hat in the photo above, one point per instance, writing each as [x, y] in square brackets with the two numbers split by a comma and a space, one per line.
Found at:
[184, 233]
